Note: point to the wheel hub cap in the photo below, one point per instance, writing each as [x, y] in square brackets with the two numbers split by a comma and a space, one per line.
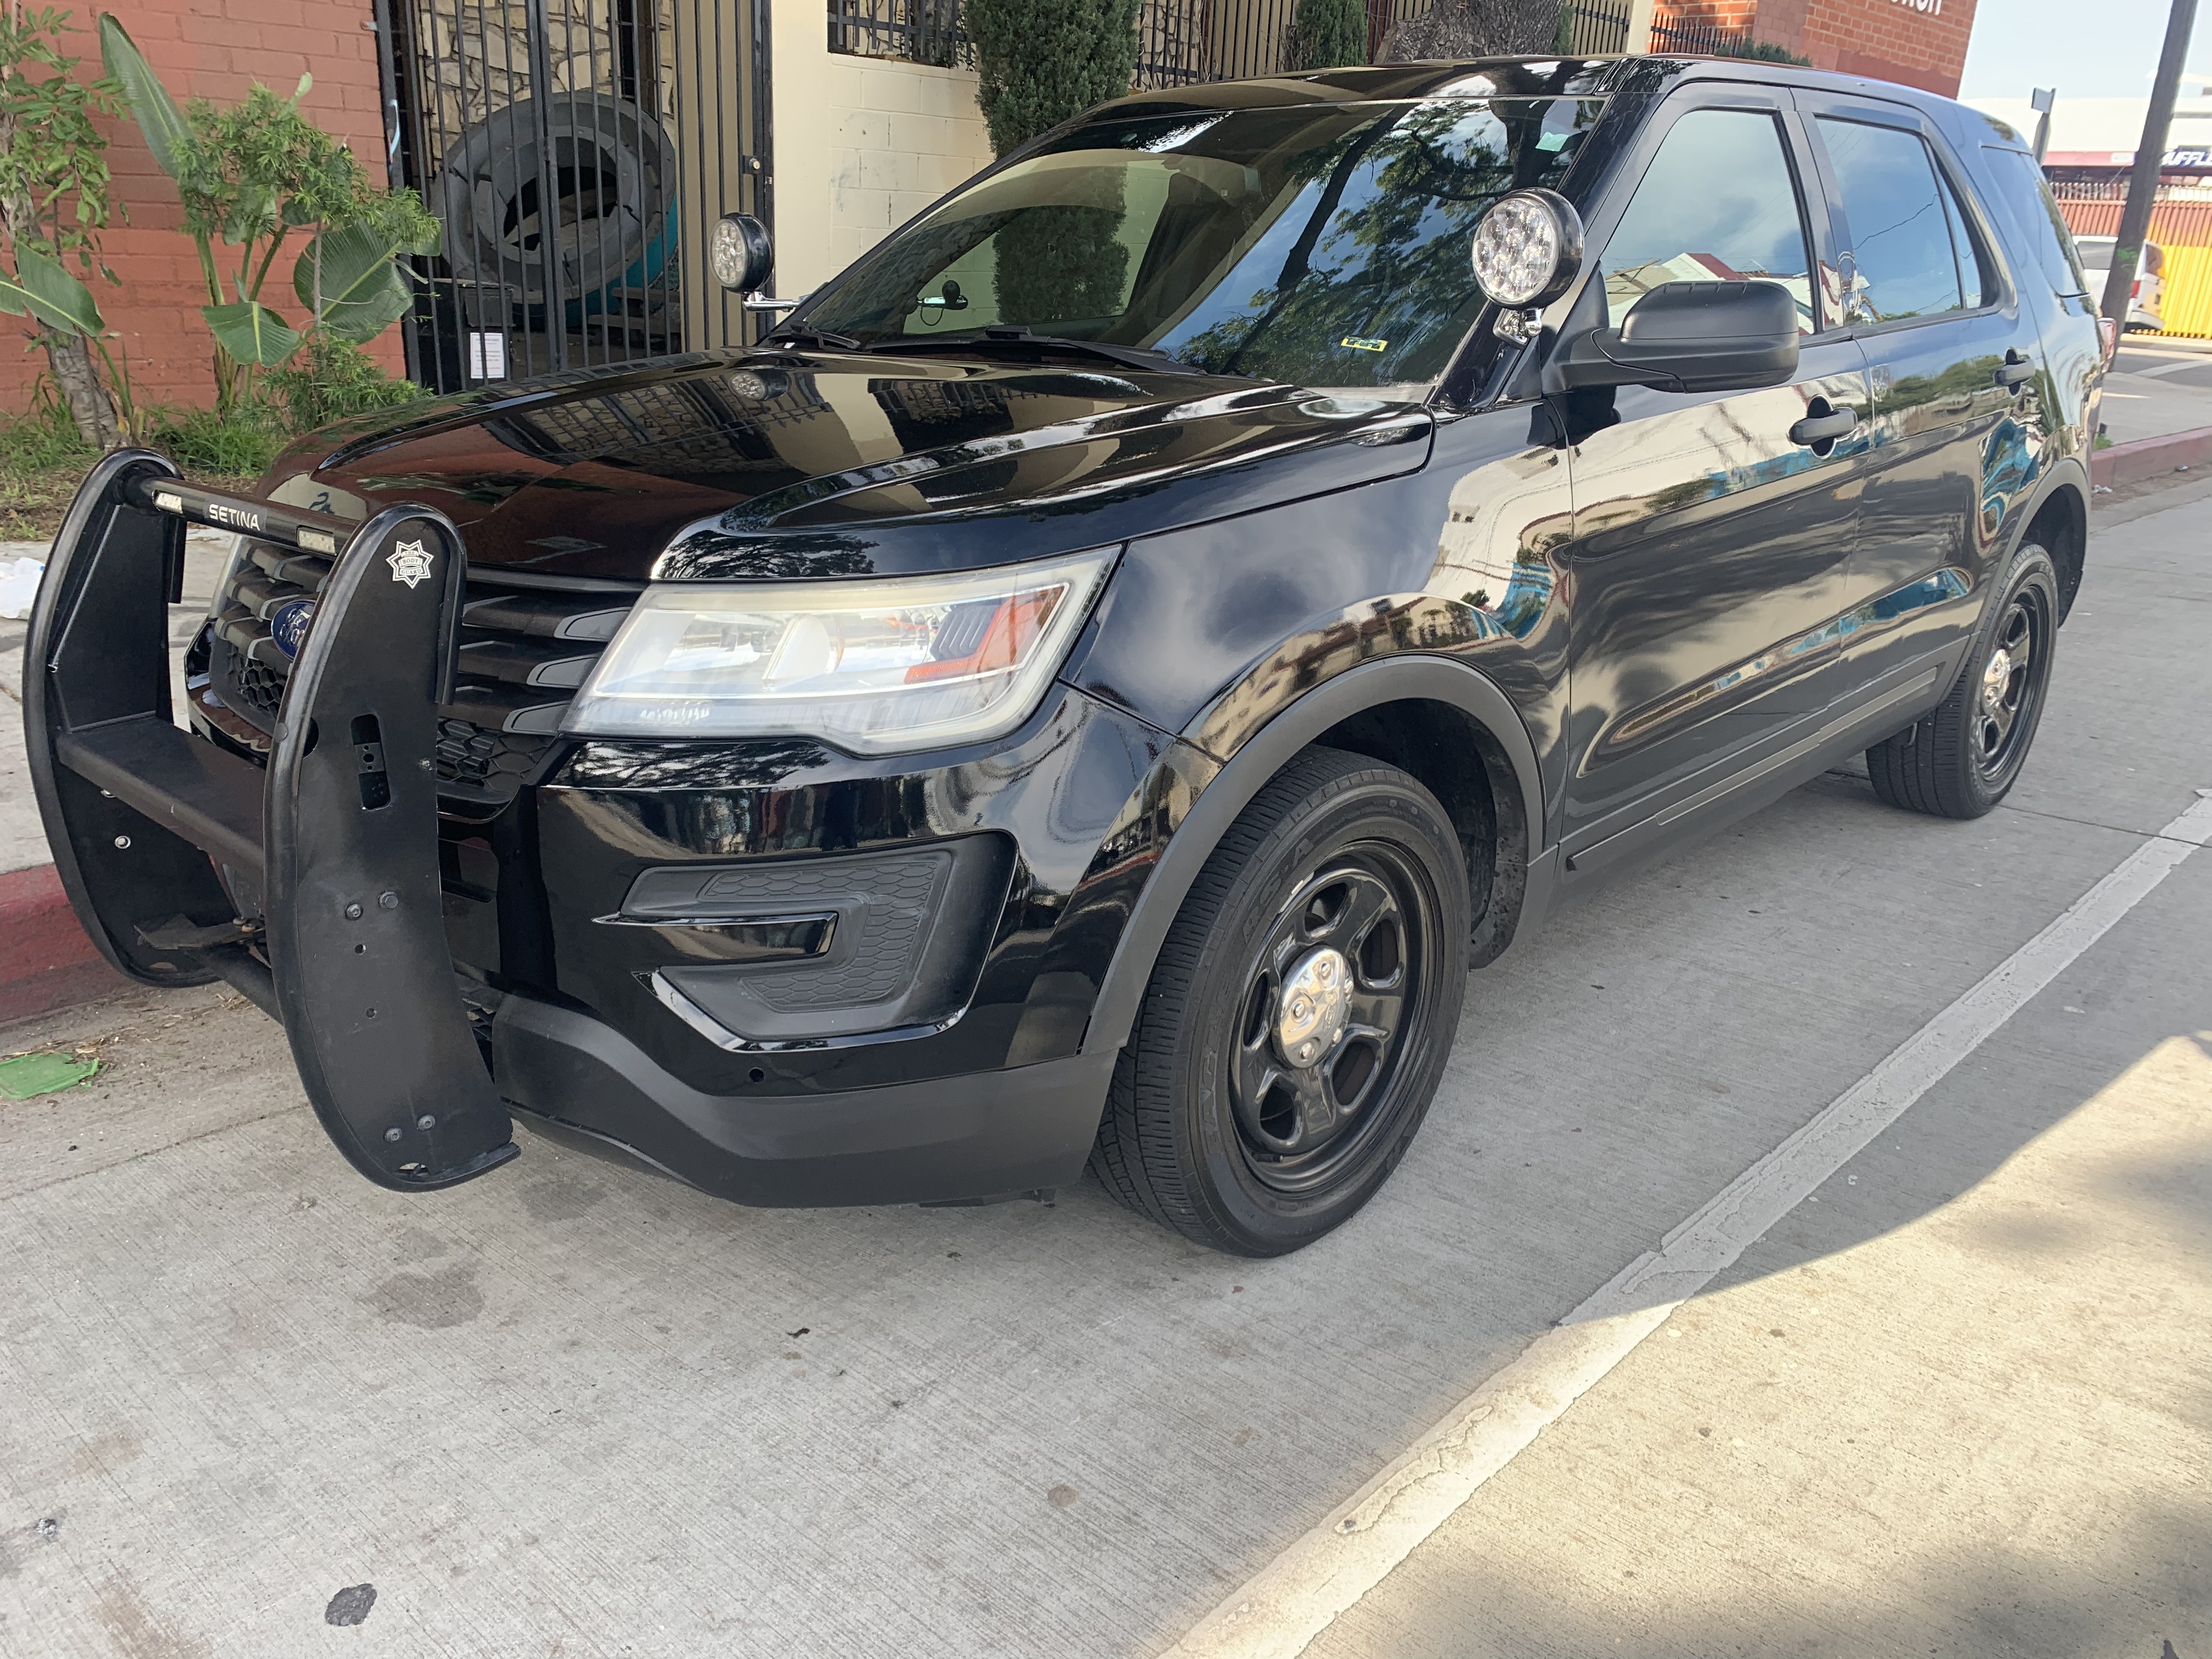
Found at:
[1315, 994]
[1996, 678]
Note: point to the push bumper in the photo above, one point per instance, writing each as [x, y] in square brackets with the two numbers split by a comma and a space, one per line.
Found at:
[326, 910]
[313, 885]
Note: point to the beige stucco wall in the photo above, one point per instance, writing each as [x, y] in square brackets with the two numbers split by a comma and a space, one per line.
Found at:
[803, 127]
[902, 135]
[862, 144]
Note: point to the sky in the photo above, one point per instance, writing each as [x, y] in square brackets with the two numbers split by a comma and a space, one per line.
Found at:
[2108, 50]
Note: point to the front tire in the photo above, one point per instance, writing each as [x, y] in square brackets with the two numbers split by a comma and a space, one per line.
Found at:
[1959, 761]
[1299, 1015]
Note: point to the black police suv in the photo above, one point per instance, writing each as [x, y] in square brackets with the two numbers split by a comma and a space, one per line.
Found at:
[1092, 683]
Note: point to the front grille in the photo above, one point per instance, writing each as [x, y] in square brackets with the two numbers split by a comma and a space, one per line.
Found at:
[524, 652]
[494, 760]
[261, 686]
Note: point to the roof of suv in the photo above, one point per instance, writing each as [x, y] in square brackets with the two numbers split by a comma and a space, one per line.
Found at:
[1591, 77]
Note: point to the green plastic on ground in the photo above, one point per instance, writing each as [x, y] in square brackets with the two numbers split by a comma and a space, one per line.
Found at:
[42, 1074]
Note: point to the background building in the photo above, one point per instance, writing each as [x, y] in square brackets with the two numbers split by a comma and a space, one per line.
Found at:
[1919, 43]
[2091, 152]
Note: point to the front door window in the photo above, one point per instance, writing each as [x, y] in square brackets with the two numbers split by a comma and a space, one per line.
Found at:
[1719, 204]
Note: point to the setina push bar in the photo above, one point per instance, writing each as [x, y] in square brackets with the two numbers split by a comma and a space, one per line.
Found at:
[312, 884]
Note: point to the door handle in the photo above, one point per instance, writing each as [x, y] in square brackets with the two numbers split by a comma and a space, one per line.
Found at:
[1815, 430]
[2014, 372]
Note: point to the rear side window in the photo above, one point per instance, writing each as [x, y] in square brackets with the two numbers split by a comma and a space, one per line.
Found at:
[1905, 256]
[1719, 204]
[2036, 218]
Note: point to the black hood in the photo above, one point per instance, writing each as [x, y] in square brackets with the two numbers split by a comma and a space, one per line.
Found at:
[777, 464]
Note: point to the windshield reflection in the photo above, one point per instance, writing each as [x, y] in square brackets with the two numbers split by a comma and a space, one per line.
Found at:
[1325, 247]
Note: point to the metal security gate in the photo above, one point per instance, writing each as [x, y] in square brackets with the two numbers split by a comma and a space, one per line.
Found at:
[1183, 42]
[575, 152]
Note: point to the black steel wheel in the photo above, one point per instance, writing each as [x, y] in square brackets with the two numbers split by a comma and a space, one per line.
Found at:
[2010, 687]
[1325, 1007]
[1300, 1013]
[1961, 759]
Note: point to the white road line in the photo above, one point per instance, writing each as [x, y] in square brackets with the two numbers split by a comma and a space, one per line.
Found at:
[1296, 1596]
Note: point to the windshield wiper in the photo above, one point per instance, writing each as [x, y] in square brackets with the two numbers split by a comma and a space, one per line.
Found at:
[816, 336]
[1018, 334]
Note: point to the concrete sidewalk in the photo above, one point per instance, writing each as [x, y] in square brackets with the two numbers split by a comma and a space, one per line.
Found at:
[1955, 1404]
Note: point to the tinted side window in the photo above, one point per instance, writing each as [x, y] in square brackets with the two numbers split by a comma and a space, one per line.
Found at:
[1905, 264]
[1718, 201]
[2036, 217]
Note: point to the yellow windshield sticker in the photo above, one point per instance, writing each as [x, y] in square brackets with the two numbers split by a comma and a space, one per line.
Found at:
[1353, 343]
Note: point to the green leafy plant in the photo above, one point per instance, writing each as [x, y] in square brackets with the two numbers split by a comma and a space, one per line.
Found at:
[42, 456]
[240, 443]
[1329, 33]
[63, 308]
[1042, 62]
[42, 438]
[54, 203]
[252, 177]
[332, 379]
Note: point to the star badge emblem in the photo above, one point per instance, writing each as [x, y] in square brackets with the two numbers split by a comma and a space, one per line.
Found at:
[410, 562]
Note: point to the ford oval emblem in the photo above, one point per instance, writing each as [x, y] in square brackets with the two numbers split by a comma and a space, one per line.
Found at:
[288, 622]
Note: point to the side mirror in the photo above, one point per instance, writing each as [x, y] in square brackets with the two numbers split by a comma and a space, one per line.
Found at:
[1688, 337]
[741, 253]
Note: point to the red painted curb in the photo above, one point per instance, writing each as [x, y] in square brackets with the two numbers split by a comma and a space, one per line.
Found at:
[45, 960]
[2146, 458]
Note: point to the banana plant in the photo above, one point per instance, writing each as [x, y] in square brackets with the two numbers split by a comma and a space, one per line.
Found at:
[42, 289]
[251, 177]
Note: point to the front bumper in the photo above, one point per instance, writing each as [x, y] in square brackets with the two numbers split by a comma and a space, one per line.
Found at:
[324, 885]
[979, 1135]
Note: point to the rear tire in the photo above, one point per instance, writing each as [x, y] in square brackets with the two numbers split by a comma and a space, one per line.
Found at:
[1299, 1015]
[1961, 759]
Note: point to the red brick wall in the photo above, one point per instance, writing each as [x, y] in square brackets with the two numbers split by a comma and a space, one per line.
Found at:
[1736, 16]
[1919, 43]
[213, 49]
[1891, 41]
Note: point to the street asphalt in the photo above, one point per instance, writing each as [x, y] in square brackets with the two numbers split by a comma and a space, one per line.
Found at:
[571, 1409]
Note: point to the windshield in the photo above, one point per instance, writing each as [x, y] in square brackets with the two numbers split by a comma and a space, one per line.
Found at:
[1326, 247]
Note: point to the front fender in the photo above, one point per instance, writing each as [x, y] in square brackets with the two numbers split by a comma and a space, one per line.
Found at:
[1264, 752]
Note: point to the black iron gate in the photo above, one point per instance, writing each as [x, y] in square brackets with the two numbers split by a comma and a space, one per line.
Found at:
[576, 152]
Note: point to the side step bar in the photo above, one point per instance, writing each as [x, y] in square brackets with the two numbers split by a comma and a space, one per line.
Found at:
[173, 850]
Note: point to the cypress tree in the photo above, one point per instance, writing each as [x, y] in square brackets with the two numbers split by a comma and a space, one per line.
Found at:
[1043, 61]
[1329, 33]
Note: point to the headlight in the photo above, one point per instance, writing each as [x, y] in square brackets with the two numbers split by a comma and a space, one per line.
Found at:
[873, 667]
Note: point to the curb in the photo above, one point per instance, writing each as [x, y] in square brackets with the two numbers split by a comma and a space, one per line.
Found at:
[2146, 458]
[48, 963]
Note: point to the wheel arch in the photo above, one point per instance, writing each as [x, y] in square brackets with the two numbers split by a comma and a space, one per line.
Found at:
[2058, 517]
[1403, 710]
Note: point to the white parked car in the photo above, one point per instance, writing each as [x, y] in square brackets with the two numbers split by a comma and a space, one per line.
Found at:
[2149, 297]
